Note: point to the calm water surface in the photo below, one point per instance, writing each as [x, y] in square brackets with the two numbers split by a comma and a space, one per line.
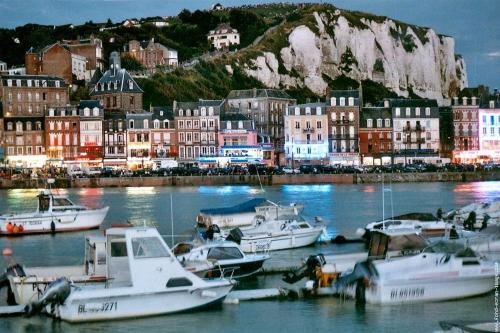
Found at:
[342, 207]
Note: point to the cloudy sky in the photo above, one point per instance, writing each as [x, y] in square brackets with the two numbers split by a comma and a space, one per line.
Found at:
[473, 23]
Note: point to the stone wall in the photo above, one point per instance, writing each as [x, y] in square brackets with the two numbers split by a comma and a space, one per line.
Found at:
[254, 180]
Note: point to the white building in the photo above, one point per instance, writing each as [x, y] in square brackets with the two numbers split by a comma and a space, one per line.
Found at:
[415, 131]
[489, 130]
[91, 134]
[79, 67]
[223, 37]
[306, 134]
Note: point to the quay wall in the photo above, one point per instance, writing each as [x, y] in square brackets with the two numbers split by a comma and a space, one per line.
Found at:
[254, 180]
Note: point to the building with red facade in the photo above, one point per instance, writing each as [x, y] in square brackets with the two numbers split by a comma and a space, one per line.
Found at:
[62, 134]
[375, 135]
[91, 133]
[465, 128]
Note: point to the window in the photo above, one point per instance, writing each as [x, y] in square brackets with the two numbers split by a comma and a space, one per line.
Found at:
[408, 110]
[179, 282]
[148, 247]
[156, 124]
[297, 124]
[417, 112]
[427, 111]
[181, 112]
[224, 253]
[131, 123]
[203, 111]
[308, 110]
[398, 112]
[145, 123]
[28, 126]
[297, 111]
[387, 123]
[58, 84]
[318, 124]
[369, 123]
[342, 101]
[318, 110]
[379, 123]
[320, 137]
[333, 101]
[9, 126]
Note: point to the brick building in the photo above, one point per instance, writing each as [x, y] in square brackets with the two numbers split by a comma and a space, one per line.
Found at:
[90, 48]
[53, 60]
[26, 98]
[115, 140]
[117, 90]
[465, 113]
[197, 125]
[151, 54]
[343, 107]
[62, 134]
[375, 135]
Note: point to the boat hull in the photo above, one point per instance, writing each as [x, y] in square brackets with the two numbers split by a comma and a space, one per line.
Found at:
[122, 304]
[443, 289]
[36, 223]
[273, 242]
[235, 271]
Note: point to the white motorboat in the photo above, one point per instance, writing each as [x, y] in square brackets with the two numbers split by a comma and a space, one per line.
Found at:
[144, 279]
[29, 283]
[245, 213]
[426, 228]
[286, 232]
[219, 258]
[438, 274]
[488, 210]
[55, 213]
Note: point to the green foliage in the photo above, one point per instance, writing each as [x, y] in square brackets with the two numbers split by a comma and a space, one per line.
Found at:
[374, 92]
[378, 66]
[82, 92]
[131, 63]
[347, 60]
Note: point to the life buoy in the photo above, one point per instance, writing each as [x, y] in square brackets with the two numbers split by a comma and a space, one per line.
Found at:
[9, 227]
[16, 229]
[21, 228]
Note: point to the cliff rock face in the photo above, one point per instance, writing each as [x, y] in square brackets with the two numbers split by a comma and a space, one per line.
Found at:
[334, 42]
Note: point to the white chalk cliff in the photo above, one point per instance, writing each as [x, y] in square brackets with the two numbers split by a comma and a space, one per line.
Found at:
[399, 56]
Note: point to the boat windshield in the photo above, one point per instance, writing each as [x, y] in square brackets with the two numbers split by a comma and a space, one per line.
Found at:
[459, 249]
[224, 253]
[148, 247]
[62, 202]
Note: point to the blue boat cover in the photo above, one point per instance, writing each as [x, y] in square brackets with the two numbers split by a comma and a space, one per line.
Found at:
[245, 207]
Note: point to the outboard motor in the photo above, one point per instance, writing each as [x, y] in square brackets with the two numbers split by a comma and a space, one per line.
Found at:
[360, 275]
[14, 270]
[235, 235]
[306, 270]
[55, 294]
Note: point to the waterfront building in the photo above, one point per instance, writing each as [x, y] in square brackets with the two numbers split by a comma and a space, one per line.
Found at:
[163, 137]
[117, 90]
[342, 109]
[223, 36]
[306, 134]
[266, 107]
[25, 101]
[415, 130]
[115, 141]
[197, 125]
[91, 134]
[62, 135]
[489, 132]
[139, 140]
[151, 54]
[238, 143]
[375, 135]
[465, 129]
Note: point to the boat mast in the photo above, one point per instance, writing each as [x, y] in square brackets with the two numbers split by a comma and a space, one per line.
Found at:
[172, 218]
[383, 202]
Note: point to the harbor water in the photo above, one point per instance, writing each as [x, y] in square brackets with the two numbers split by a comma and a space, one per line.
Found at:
[343, 208]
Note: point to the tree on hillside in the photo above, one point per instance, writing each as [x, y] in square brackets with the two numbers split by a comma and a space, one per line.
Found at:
[131, 63]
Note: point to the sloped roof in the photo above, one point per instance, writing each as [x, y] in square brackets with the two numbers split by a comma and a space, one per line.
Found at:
[168, 113]
[258, 93]
[344, 93]
[401, 102]
[374, 113]
[121, 77]
[187, 105]
[89, 103]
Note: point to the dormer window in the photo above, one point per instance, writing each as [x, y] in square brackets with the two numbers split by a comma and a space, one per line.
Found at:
[9, 126]
[318, 110]
[86, 112]
[96, 112]
[203, 111]
[240, 124]
[131, 85]
[166, 124]
[188, 113]
[369, 123]
[156, 124]
[145, 123]
[161, 113]
[417, 112]
[131, 124]
[297, 111]
[116, 85]
[181, 112]
[308, 110]
[351, 101]
[427, 111]
[58, 84]
[408, 112]
[342, 101]
[210, 111]
[228, 125]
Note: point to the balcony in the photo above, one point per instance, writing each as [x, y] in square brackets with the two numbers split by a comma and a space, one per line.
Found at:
[343, 136]
[344, 122]
[416, 128]
[417, 141]
[308, 130]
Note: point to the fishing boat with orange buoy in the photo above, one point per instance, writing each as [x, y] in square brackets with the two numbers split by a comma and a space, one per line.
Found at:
[55, 213]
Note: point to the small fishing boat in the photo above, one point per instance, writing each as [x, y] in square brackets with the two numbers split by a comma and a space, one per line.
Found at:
[434, 228]
[245, 213]
[286, 232]
[29, 283]
[55, 213]
[482, 210]
[143, 279]
[219, 258]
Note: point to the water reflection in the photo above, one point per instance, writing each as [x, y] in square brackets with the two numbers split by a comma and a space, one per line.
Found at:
[307, 188]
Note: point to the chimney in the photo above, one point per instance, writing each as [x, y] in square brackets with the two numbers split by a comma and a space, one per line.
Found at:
[464, 100]
[473, 100]
[455, 100]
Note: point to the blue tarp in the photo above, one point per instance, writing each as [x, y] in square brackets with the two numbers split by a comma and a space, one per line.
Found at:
[245, 207]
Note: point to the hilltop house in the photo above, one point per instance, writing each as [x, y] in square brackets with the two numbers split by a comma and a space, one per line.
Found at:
[223, 37]
[151, 54]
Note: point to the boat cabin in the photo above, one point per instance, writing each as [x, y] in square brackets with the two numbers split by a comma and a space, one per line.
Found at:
[212, 251]
[395, 243]
[95, 256]
[47, 202]
[139, 257]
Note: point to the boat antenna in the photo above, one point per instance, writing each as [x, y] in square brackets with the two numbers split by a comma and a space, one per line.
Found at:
[383, 201]
[172, 218]
[392, 204]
